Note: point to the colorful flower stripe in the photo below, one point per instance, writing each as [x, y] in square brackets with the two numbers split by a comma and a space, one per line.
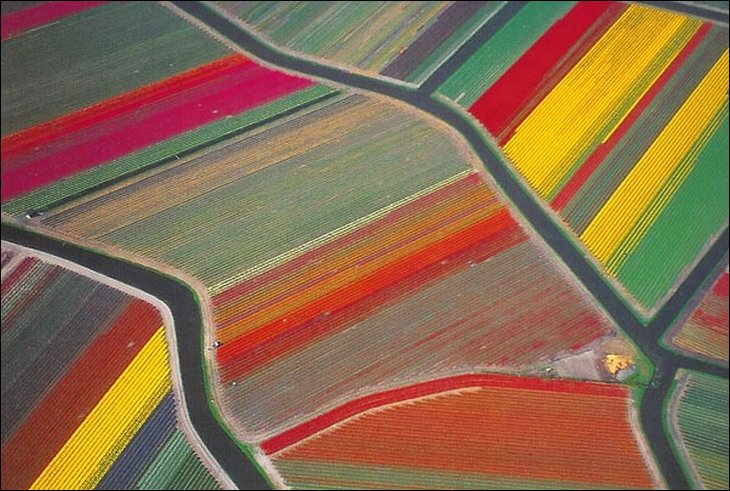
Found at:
[705, 333]
[235, 303]
[371, 258]
[58, 193]
[686, 222]
[84, 369]
[504, 48]
[15, 23]
[502, 103]
[619, 136]
[45, 134]
[158, 457]
[68, 334]
[621, 223]
[638, 137]
[504, 421]
[586, 169]
[438, 193]
[231, 208]
[30, 364]
[367, 309]
[143, 448]
[303, 431]
[698, 417]
[33, 445]
[91, 57]
[359, 275]
[545, 166]
[88, 454]
[330, 323]
[133, 121]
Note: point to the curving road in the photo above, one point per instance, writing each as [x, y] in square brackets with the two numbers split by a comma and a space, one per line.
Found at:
[183, 304]
[646, 337]
[188, 323]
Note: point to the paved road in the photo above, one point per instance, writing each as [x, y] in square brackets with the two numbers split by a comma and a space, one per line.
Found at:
[188, 323]
[646, 337]
[188, 327]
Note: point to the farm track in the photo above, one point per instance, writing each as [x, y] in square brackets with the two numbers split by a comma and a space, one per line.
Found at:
[186, 311]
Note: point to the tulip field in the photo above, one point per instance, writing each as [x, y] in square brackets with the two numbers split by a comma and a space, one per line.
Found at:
[406, 437]
[411, 41]
[86, 387]
[301, 279]
[630, 146]
[412, 245]
[368, 309]
[698, 415]
[137, 123]
[236, 206]
[705, 332]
